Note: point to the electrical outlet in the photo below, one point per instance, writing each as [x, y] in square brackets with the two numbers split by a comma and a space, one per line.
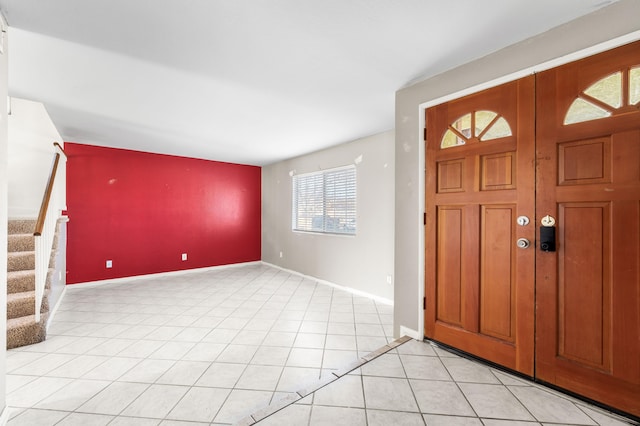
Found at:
[109, 263]
[280, 254]
[184, 256]
[389, 279]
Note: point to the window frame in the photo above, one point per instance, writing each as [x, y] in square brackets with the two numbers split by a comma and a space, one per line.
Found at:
[344, 216]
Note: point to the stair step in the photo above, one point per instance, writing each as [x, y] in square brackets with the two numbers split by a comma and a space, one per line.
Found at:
[23, 304]
[20, 242]
[21, 226]
[21, 326]
[21, 281]
[26, 331]
[21, 261]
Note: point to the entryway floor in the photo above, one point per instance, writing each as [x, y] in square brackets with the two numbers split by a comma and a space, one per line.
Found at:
[418, 383]
[217, 347]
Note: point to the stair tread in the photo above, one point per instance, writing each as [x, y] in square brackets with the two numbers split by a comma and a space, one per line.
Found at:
[21, 296]
[20, 281]
[23, 304]
[16, 322]
[21, 253]
[20, 226]
[25, 330]
[23, 273]
[21, 235]
[21, 260]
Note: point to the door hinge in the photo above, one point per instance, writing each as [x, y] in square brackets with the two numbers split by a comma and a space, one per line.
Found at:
[424, 303]
[425, 134]
[424, 218]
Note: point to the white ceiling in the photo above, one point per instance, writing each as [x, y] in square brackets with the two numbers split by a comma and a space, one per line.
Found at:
[248, 81]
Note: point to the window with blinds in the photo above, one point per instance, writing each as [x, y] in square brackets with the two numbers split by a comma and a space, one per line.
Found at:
[325, 201]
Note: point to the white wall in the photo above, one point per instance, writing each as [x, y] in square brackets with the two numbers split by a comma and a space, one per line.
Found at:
[361, 262]
[3, 222]
[622, 19]
[31, 137]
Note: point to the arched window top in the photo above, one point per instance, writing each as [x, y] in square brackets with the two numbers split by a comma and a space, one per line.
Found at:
[486, 125]
[614, 94]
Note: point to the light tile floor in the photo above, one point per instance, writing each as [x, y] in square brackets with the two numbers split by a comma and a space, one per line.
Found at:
[418, 383]
[213, 347]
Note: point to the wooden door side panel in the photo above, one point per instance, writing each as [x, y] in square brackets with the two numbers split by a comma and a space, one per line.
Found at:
[497, 272]
[449, 254]
[584, 284]
[625, 316]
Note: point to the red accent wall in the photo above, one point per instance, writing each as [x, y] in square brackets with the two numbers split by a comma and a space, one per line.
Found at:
[142, 211]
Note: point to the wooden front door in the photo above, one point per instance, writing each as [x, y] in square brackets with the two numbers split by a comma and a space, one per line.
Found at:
[482, 160]
[479, 180]
[588, 291]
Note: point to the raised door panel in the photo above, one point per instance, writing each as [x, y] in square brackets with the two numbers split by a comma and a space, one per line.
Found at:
[497, 272]
[584, 284]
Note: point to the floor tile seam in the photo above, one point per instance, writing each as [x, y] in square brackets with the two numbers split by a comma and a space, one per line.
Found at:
[78, 409]
[366, 409]
[452, 380]
[323, 384]
[84, 379]
[183, 396]
[528, 383]
[24, 411]
[45, 374]
[199, 377]
[550, 391]
[356, 408]
[178, 402]
[415, 398]
[522, 403]
[582, 405]
[577, 403]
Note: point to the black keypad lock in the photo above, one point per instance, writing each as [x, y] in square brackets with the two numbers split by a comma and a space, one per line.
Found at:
[548, 238]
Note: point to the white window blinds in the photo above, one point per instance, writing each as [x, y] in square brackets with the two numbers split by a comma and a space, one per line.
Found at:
[325, 201]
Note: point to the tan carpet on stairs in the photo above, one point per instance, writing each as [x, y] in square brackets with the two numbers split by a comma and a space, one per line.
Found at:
[21, 326]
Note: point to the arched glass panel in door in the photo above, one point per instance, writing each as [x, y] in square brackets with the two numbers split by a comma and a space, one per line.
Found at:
[614, 94]
[478, 125]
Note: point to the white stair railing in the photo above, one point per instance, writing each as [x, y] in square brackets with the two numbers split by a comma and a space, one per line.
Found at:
[53, 202]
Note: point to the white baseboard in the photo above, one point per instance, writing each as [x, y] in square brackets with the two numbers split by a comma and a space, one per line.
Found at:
[234, 265]
[357, 292]
[53, 311]
[406, 331]
[158, 275]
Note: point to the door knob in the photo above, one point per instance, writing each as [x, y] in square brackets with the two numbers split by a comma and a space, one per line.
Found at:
[523, 243]
[548, 221]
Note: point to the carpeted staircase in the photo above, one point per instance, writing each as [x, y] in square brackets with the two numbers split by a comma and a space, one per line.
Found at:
[21, 326]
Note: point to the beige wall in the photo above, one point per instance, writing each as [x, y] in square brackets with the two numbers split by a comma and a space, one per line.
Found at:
[608, 25]
[362, 262]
